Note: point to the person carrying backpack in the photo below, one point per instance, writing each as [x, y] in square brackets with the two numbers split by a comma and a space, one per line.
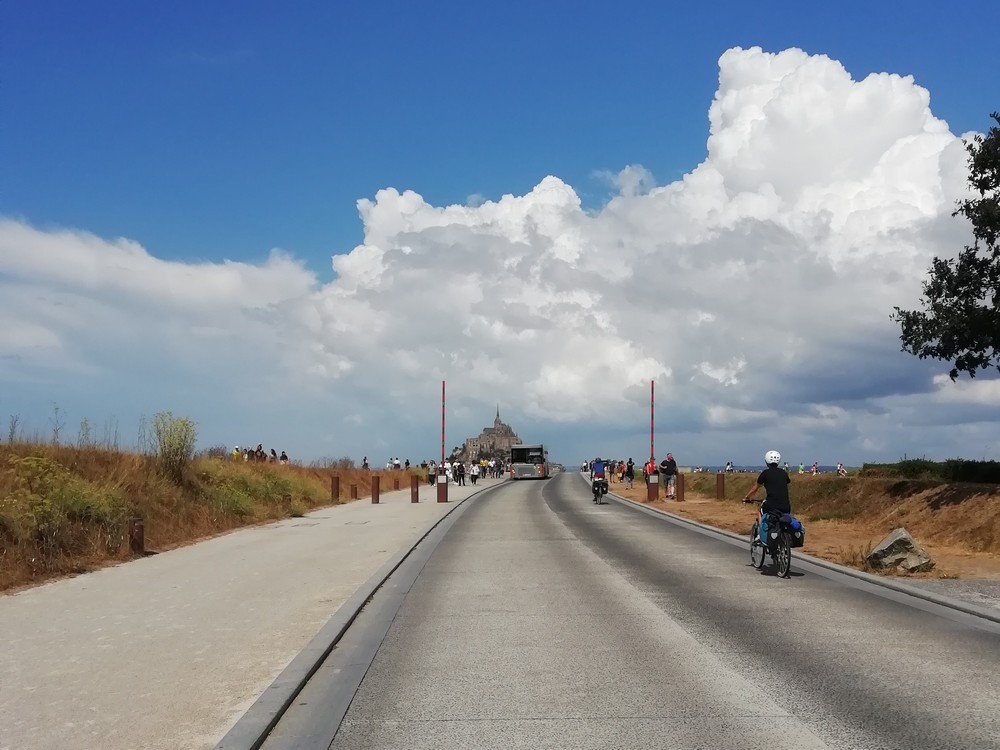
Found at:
[775, 481]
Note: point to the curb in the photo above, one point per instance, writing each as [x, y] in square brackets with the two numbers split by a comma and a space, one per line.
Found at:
[252, 729]
[902, 588]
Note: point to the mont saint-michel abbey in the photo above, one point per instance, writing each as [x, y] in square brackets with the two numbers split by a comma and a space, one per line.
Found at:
[492, 442]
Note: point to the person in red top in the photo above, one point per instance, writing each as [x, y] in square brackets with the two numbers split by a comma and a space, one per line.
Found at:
[649, 468]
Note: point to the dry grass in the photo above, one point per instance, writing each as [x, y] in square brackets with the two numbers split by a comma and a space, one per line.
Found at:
[65, 509]
[855, 556]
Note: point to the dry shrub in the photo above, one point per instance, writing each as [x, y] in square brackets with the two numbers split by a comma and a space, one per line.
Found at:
[174, 441]
[855, 557]
[52, 520]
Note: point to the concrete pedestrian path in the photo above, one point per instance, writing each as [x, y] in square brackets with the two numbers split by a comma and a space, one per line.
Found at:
[170, 650]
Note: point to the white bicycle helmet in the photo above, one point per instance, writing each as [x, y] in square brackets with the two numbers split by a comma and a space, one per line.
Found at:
[772, 458]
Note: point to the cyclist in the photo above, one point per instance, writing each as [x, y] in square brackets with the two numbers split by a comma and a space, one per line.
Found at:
[597, 476]
[775, 481]
[596, 469]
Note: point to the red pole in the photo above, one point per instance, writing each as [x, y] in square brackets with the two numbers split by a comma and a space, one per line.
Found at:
[442, 480]
[651, 415]
[652, 480]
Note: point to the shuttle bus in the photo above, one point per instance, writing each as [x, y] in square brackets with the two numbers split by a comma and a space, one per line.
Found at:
[529, 462]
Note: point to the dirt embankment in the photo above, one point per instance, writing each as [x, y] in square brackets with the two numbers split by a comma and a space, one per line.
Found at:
[958, 524]
[65, 510]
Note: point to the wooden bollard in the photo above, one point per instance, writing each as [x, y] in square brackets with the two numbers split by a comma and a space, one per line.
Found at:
[136, 536]
[354, 492]
[442, 490]
[395, 483]
[680, 487]
[720, 486]
[334, 490]
[653, 487]
[375, 488]
[414, 488]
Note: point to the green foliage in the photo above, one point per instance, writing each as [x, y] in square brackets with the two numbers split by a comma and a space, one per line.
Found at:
[50, 508]
[960, 319]
[174, 440]
[913, 468]
[232, 500]
[243, 492]
[974, 471]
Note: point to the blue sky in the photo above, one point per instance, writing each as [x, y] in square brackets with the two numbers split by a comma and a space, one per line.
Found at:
[212, 132]
[223, 129]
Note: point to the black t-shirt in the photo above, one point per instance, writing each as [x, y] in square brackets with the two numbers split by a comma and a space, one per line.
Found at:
[668, 466]
[775, 481]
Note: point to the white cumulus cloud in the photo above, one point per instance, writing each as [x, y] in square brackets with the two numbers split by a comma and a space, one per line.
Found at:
[755, 291]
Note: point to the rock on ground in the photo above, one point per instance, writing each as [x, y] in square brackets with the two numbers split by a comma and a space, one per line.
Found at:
[899, 550]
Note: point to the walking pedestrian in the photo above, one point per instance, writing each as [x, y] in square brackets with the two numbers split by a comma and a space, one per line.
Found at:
[668, 468]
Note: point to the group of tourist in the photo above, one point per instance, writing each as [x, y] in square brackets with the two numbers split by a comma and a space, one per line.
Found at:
[458, 471]
[392, 463]
[624, 471]
[258, 455]
[617, 470]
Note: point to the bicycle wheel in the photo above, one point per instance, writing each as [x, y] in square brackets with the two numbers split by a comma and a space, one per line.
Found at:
[783, 554]
[756, 548]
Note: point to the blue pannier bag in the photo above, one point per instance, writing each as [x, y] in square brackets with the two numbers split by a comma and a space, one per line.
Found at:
[763, 529]
[798, 531]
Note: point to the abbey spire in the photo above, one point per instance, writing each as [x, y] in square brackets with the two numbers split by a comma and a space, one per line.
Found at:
[492, 442]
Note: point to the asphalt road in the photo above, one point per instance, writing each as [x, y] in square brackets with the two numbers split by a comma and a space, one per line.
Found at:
[544, 621]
